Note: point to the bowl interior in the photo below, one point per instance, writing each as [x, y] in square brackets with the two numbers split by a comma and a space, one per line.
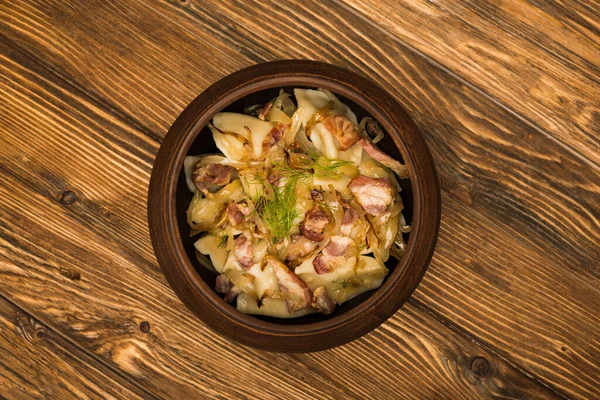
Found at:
[204, 144]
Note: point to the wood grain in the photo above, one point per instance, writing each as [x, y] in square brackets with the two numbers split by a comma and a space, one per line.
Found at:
[35, 365]
[179, 357]
[552, 49]
[517, 263]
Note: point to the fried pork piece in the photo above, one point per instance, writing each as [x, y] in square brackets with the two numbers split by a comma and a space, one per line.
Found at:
[237, 213]
[212, 174]
[243, 251]
[224, 286]
[349, 218]
[262, 113]
[373, 194]
[315, 221]
[317, 195]
[322, 302]
[274, 136]
[300, 296]
[342, 129]
[299, 247]
[334, 254]
[378, 155]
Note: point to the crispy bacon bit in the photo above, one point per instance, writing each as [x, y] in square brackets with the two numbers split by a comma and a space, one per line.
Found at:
[243, 251]
[320, 265]
[263, 111]
[350, 217]
[378, 155]
[322, 302]
[314, 223]
[339, 246]
[224, 286]
[290, 283]
[299, 247]
[202, 187]
[334, 254]
[298, 160]
[373, 194]
[236, 213]
[274, 179]
[232, 294]
[342, 129]
[213, 174]
[274, 136]
[316, 195]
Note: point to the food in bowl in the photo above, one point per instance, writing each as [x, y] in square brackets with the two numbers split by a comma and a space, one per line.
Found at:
[301, 209]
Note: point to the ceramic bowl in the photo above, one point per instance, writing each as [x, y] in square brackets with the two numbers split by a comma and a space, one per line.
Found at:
[168, 199]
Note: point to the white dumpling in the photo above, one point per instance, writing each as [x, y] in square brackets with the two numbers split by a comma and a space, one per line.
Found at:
[190, 162]
[240, 124]
[339, 182]
[369, 167]
[353, 154]
[188, 167]
[369, 271]
[252, 185]
[341, 108]
[269, 307]
[328, 145]
[230, 146]
[264, 279]
[209, 245]
[310, 101]
[324, 141]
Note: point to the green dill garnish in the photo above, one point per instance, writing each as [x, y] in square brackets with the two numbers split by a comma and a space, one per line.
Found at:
[279, 209]
[317, 166]
[223, 241]
[324, 168]
[343, 283]
[276, 206]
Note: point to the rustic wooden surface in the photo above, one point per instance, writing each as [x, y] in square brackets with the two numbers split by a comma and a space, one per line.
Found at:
[507, 94]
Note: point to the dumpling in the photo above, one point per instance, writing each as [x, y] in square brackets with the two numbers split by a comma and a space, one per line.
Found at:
[252, 129]
[210, 245]
[270, 307]
[346, 281]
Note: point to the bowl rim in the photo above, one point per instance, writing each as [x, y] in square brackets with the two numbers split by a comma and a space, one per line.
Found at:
[202, 300]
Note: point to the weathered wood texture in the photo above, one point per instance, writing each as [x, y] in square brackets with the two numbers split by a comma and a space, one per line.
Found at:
[516, 269]
[69, 271]
[34, 363]
[539, 58]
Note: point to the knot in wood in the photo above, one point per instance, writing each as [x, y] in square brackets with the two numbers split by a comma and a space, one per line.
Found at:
[67, 198]
[71, 274]
[145, 327]
[480, 366]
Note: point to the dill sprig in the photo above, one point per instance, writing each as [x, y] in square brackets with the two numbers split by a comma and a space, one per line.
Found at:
[279, 209]
[343, 283]
[317, 166]
[276, 206]
[223, 241]
[324, 168]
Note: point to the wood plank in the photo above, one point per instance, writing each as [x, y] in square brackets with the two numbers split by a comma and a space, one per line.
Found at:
[34, 364]
[489, 163]
[91, 286]
[552, 49]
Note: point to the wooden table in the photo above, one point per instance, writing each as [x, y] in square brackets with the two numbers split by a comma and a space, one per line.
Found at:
[507, 94]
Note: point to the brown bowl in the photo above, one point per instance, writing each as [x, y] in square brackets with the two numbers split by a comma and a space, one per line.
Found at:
[168, 199]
